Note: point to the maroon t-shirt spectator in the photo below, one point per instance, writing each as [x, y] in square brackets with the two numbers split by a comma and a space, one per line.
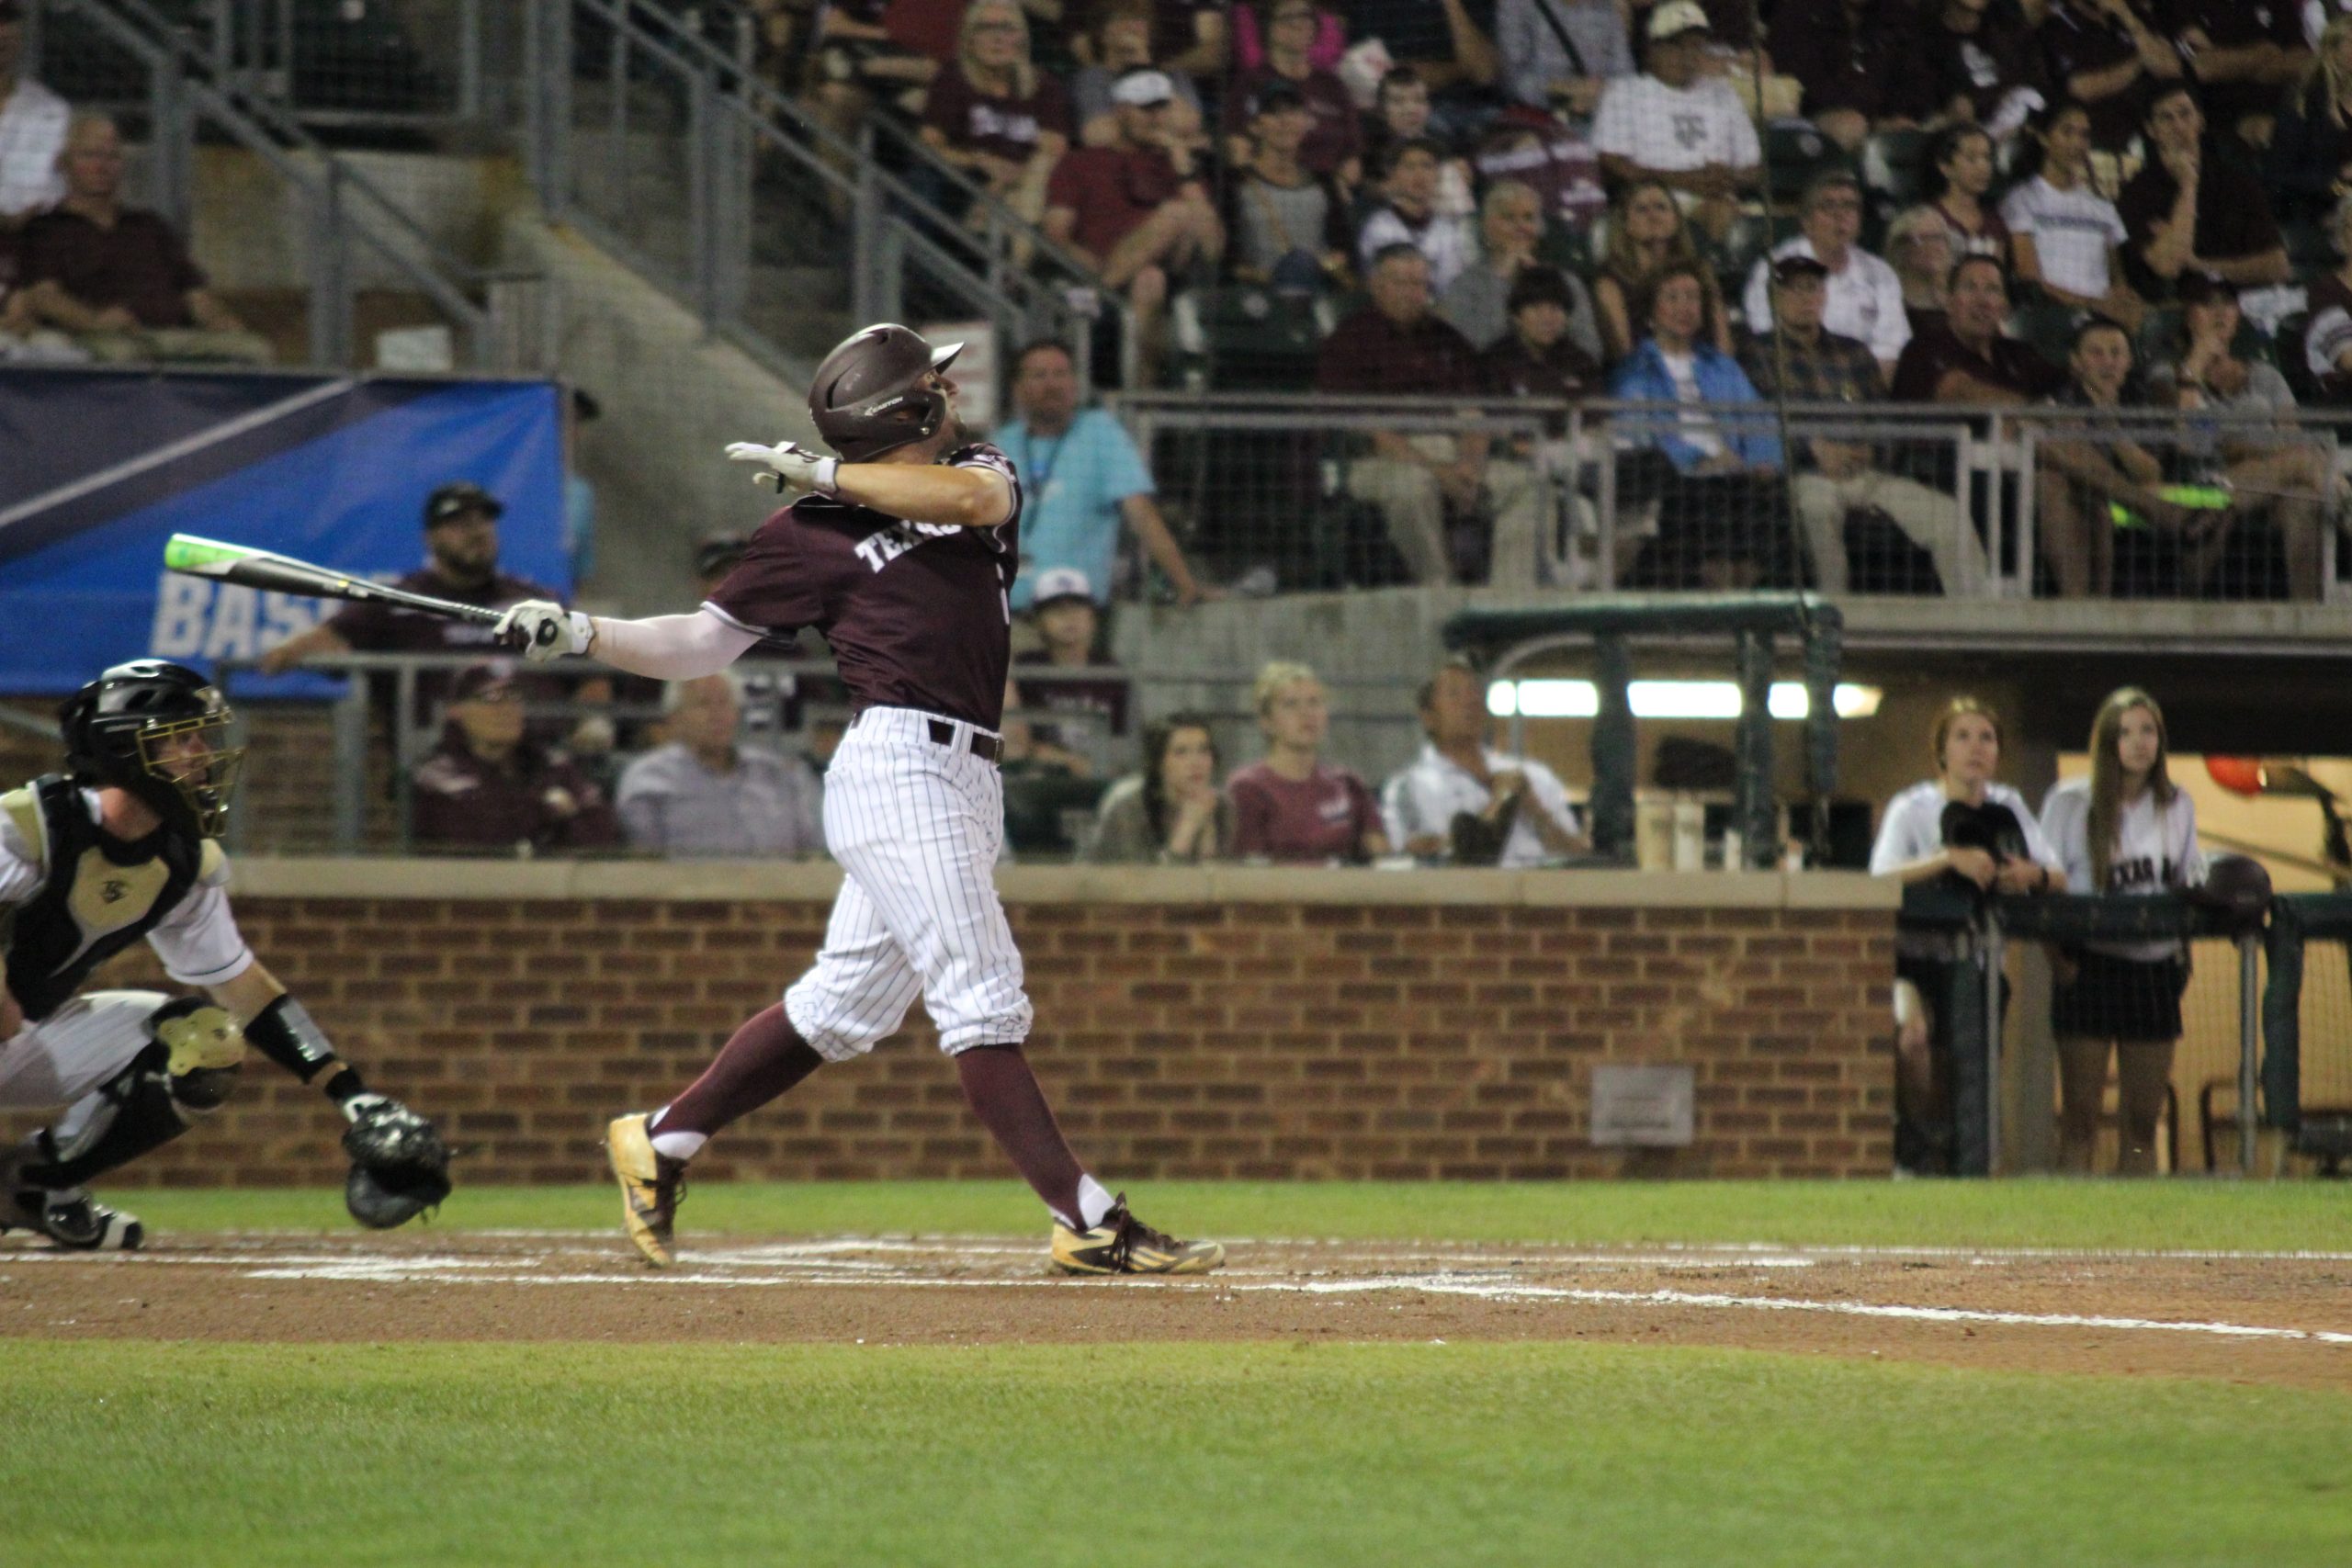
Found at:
[2233, 219]
[139, 264]
[997, 124]
[1562, 167]
[915, 613]
[1112, 191]
[1371, 355]
[463, 804]
[1321, 818]
[2012, 365]
[2076, 39]
[1336, 135]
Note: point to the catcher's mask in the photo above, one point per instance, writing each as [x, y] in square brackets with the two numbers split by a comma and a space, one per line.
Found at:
[155, 728]
[873, 394]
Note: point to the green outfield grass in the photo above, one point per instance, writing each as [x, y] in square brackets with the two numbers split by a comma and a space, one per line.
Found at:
[1247, 1454]
[2190, 1214]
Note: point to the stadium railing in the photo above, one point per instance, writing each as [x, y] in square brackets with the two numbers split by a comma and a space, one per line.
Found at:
[341, 765]
[653, 137]
[1263, 487]
[2226, 1001]
[2306, 1084]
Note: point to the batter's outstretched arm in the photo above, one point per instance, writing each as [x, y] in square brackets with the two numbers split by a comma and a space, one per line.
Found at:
[928, 492]
[916, 492]
[667, 648]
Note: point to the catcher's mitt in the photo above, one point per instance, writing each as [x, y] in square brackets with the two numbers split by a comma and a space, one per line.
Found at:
[400, 1166]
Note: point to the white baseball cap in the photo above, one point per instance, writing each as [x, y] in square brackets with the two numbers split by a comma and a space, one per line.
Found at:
[1141, 88]
[1678, 16]
[1060, 583]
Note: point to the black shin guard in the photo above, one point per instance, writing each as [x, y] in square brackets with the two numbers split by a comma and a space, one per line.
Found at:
[140, 1109]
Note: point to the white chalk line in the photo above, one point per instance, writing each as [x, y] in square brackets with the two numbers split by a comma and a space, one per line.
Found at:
[820, 1264]
[1546, 1251]
[1522, 1293]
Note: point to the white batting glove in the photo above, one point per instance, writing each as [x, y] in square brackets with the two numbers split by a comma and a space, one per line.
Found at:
[544, 630]
[790, 465]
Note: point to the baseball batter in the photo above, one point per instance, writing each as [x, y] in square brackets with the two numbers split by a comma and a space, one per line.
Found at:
[117, 848]
[901, 551]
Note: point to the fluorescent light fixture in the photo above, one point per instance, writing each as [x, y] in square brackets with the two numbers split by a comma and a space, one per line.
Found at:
[1666, 699]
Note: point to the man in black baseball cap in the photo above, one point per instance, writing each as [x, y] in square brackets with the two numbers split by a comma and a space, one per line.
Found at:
[461, 545]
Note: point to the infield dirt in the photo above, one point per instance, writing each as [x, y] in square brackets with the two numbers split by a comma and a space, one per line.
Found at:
[2257, 1317]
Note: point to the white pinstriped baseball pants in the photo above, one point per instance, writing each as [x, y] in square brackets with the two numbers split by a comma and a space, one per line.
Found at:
[917, 827]
[76, 1048]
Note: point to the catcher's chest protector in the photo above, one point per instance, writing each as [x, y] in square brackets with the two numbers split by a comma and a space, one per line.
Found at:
[94, 899]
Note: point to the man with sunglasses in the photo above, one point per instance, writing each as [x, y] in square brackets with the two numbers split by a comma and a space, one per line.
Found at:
[120, 847]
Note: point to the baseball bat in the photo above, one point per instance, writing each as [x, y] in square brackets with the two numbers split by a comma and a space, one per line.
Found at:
[283, 575]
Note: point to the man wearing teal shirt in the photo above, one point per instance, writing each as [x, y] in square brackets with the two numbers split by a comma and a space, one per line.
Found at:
[1082, 476]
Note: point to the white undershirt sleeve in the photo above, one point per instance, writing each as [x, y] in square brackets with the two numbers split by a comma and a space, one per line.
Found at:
[673, 648]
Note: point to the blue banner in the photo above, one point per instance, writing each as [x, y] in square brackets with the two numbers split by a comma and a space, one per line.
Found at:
[98, 469]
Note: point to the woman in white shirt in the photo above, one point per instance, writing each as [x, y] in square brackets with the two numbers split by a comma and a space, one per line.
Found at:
[2064, 235]
[1939, 828]
[2128, 830]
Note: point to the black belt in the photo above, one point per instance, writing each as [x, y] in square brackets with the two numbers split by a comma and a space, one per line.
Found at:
[981, 745]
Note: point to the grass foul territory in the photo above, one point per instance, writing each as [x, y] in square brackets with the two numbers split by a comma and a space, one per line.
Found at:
[1255, 1454]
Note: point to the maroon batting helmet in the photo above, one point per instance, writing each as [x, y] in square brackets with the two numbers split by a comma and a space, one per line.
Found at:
[868, 395]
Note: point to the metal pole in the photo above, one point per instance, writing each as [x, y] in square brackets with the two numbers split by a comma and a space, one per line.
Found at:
[470, 53]
[403, 745]
[1613, 748]
[1753, 743]
[2027, 524]
[350, 765]
[172, 136]
[702, 179]
[330, 273]
[1993, 957]
[2249, 1046]
[1605, 546]
[865, 227]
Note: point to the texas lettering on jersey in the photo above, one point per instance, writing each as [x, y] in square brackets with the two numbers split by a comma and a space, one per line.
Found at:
[878, 550]
[2138, 872]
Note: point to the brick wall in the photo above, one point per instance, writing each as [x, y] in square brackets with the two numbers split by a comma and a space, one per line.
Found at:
[1217, 1031]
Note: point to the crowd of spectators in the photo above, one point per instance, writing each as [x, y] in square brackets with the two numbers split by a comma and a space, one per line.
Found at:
[2100, 159]
[83, 274]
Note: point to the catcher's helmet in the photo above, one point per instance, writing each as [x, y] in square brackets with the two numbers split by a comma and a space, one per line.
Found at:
[868, 395]
[120, 729]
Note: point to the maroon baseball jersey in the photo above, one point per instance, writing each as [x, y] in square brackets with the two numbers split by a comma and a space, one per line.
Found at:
[916, 612]
[1321, 818]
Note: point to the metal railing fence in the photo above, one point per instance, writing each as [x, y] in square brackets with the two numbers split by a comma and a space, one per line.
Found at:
[656, 139]
[1924, 498]
[1976, 932]
[390, 710]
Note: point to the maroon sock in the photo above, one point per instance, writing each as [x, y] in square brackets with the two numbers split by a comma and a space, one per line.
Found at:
[760, 1061]
[1004, 1095]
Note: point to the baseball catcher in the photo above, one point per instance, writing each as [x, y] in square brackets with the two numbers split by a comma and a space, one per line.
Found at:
[117, 848]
